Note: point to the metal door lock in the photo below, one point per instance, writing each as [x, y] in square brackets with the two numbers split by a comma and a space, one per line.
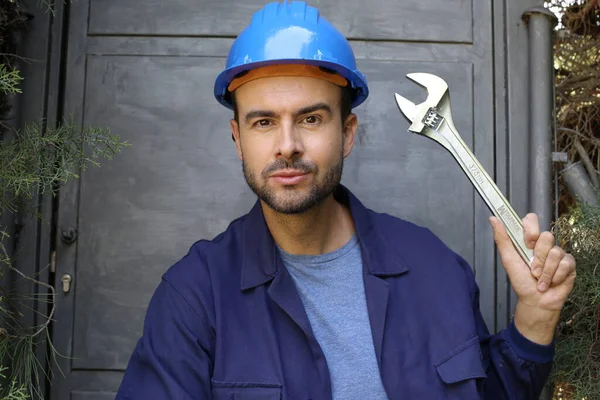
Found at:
[66, 282]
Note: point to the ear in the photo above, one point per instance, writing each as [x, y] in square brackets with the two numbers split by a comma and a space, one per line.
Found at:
[235, 135]
[350, 129]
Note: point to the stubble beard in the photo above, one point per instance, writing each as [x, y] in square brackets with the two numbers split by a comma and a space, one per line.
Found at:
[289, 199]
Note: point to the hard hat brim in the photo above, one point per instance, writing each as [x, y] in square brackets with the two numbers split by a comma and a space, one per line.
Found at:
[356, 80]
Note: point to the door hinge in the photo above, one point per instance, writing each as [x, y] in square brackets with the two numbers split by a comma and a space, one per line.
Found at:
[53, 262]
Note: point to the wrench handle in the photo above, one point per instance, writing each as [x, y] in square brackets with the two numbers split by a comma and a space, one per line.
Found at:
[487, 189]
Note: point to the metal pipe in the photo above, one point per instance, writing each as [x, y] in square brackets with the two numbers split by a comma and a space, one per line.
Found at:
[578, 183]
[541, 22]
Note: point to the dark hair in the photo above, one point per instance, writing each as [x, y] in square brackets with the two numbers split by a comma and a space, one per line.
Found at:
[345, 103]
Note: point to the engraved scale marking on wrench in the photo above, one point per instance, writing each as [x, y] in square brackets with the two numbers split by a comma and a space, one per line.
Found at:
[433, 119]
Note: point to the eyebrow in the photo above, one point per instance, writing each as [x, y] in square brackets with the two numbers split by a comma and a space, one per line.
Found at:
[271, 114]
[313, 108]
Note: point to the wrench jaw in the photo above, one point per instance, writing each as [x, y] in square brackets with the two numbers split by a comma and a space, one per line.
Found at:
[415, 114]
[409, 110]
[435, 86]
[437, 90]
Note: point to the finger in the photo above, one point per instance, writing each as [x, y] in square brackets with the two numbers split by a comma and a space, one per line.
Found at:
[565, 268]
[555, 256]
[500, 234]
[506, 249]
[540, 252]
[531, 225]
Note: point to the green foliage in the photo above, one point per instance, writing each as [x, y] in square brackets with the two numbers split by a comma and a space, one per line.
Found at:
[577, 82]
[577, 361]
[40, 161]
[14, 391]
[9, 80]
[26, 370]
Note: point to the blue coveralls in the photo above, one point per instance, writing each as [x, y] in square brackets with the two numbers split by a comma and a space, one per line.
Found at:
[226, 322]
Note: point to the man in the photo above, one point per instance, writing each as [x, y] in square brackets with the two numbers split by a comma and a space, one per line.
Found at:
[313, 296]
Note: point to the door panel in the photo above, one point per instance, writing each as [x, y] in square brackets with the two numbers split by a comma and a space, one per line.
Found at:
[424, 20]
[178, 182]
[147, 77]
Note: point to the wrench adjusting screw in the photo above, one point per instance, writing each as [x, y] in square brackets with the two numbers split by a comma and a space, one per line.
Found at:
[433, 119]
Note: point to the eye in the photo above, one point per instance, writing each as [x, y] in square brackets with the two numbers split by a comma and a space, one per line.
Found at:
[262, 123]
[312, 119]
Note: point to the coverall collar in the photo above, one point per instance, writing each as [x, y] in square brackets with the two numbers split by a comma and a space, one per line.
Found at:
[260, 259]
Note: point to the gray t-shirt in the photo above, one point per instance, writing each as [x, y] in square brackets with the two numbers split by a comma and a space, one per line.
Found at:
[332, 291]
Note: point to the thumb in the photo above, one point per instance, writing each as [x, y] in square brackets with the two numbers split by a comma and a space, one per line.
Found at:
[508, 254]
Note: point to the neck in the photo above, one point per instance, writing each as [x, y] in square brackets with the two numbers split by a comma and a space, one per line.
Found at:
[322, 229]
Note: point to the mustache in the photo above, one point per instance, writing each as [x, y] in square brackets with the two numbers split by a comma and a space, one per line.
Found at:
[282, 164]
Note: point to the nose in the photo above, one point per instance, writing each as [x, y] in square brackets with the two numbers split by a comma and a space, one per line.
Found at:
[289, 144]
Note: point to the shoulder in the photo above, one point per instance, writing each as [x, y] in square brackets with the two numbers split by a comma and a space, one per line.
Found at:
[418, 245]
[408, 235]
[426, 255]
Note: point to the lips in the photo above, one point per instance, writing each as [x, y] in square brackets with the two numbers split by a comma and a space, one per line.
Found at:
[288, 174]
[289, 177]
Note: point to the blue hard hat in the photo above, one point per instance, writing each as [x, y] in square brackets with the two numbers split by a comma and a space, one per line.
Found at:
[291, 33]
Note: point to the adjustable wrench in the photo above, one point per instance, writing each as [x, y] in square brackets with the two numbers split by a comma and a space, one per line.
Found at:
[433, 119]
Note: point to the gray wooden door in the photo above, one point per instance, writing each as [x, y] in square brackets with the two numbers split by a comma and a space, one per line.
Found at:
[146, 69]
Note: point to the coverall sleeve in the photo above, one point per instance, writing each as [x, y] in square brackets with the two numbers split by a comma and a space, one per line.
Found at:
[516, 367]
[172, 359]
